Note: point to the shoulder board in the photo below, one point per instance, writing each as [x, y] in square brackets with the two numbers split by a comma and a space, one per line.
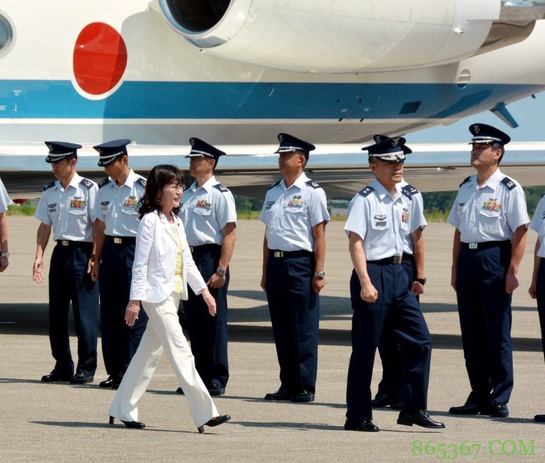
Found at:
[466, 180]
[509, 183]
[86, 183]
[366, 191]
[104, 182]
[409, 191]
[49, 185]
[276, 184]
[220, 187]
[141, 181]
[312, 184]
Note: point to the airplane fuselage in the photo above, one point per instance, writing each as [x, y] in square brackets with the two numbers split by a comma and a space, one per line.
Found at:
[91, 71]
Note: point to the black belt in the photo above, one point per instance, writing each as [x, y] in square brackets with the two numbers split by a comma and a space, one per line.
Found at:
[278, 254]
[407, 256]
[485, 245]
[74, 243]
[121, 239]
[396, 260]
[204, 248]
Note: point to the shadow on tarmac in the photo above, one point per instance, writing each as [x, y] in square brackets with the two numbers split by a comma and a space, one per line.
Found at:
[32, 319]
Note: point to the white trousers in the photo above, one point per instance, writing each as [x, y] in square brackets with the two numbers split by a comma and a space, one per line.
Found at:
[163, 332]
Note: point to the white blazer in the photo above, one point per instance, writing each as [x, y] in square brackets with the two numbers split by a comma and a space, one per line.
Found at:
[154, 266]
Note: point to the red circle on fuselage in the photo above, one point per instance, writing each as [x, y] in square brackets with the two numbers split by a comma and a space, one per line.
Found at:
[100, 58]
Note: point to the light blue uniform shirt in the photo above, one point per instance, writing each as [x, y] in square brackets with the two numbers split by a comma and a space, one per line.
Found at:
[69, 211]
[4, 198]
[538, 224]
[491, 212]
[381, 221]
[417, 212]
[117, 206]
[290, 213]
[205, 211]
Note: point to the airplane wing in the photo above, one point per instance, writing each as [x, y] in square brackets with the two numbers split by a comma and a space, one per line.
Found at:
[341, 169]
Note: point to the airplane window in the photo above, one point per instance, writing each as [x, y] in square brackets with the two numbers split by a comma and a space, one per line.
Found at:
[6, 33]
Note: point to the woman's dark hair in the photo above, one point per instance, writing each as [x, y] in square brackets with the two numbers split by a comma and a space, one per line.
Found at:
[158, 178]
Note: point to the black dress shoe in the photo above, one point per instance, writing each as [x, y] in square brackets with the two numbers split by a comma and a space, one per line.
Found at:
[363, 425]
[469, 408]
[113, 382]
[81, 378]
[499, 411]
[397, 404]
[382, 400]
[419, 417]
[215, 389]
[303, 396]
[279, 395]
[55, 376]
[539, 418]
[215, 422]
[130, 424]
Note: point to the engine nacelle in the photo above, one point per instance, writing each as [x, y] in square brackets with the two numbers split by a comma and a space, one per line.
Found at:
[342, 36]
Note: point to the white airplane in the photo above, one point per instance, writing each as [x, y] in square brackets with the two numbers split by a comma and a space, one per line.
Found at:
[237, 72]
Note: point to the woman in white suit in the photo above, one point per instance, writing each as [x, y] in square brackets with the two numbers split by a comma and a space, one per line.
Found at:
[162, 269]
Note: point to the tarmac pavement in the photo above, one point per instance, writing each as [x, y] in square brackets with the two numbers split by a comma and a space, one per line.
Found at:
[63, 423]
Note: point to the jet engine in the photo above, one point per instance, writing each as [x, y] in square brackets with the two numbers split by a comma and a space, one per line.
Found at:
[347, 36]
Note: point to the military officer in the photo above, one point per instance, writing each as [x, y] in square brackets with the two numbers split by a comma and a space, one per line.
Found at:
[117, 221]
[390, 388]
[491, 222]
[210, 219]
[67, 206]
[379, 217]
[4, 252]
[295, 214]
[537, 287]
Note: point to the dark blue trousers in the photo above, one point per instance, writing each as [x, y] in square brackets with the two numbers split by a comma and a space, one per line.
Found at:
[398, 309]
[119, 341]
[295, 314]
[388, 348]
[485, 320]
[541, 300]
[69, 281]
[208, 335]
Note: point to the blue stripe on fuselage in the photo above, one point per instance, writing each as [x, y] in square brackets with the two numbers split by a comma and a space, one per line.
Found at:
[235, 100]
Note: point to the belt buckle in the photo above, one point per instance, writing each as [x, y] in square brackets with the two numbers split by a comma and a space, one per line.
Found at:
[191, 249]
[396, 260]
[118, 240]
[473, 245]
[65, 243]
[278, 254]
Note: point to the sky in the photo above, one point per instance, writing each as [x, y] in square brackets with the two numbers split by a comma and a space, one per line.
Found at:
[529, 113]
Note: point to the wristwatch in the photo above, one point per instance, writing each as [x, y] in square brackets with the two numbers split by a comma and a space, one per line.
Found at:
[4, 254]
[422, 281]
[319, 274]
[220, 271]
